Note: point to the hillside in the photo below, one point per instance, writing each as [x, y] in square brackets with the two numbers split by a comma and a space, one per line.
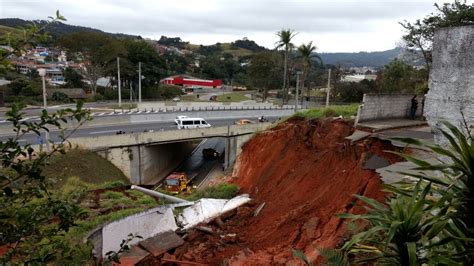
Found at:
[57, 29]
[374, 59]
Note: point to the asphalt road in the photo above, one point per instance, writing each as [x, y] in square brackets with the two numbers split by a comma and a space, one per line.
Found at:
[127, 129]
[196, 167]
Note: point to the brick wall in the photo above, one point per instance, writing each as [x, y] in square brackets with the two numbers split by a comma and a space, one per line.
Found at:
[383, 106]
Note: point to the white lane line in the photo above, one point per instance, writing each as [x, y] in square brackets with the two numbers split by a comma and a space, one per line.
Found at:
[101, 114]
[101, 132]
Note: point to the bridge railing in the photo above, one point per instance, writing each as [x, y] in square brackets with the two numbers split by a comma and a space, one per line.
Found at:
[200, 108]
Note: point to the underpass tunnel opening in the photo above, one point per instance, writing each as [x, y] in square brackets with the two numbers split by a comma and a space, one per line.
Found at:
[196, 158]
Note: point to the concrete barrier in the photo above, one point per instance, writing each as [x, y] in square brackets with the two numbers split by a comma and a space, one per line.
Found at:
[383, 106]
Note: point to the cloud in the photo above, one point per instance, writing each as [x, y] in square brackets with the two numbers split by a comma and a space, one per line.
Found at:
[338, 25]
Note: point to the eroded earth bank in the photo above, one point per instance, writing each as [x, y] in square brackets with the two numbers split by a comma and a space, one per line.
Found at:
[305, 172]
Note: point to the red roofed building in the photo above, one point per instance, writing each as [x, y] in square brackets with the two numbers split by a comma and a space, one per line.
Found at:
[188, 81]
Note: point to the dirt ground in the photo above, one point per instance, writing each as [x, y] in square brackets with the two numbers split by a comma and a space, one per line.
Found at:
[306, 173]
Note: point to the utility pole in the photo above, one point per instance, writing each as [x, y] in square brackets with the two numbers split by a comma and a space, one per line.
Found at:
[118, 82]
[139, 82]
[42, 73]
[298, 73]
[328, 91]
[131, 94]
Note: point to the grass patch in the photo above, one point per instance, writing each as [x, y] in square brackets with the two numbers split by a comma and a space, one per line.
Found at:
[220, 191]
[232, 97]
[85, 165]
[345, 111]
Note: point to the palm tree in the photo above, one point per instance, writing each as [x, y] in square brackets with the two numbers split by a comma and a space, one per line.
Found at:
[307, 54]
[285, 42]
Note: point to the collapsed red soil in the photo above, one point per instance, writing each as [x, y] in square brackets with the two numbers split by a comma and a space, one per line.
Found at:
[306, 173]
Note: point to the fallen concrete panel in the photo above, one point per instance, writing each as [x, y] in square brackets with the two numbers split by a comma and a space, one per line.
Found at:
[161, 243]
[205, 209]
[146, 225]
[133, 256]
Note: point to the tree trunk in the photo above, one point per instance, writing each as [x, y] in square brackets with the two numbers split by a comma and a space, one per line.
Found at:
[285, 70]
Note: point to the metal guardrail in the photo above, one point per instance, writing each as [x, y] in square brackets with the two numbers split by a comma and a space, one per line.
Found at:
[195, 108]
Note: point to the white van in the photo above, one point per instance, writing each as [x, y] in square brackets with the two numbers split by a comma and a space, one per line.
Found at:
[189, 122]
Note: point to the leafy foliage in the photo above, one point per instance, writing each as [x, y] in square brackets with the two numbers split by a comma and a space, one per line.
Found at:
[430, 222]
[265, 71]
[30, 215]
[284, 42]
[399, 77]
[96, 51]
[421, 32]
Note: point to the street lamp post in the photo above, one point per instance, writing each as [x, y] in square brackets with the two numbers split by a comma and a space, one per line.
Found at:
[42, 73]
[139, 82]
[328, 91]
[118, 83]
[298, 73]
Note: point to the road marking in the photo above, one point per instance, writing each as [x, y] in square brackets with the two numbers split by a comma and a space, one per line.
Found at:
[101, 132]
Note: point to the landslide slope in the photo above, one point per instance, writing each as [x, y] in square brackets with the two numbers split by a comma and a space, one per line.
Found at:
[305, 172]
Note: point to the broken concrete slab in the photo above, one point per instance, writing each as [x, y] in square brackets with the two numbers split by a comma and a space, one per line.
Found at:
[161, 243]
[375, 162]
[205, 210]
[379, 125]
[358, 135]
[391, 174]
[133, 256]
[145, 224]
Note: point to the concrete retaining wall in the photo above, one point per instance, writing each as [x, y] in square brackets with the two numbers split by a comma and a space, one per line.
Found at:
[451, 79]
[382, 106]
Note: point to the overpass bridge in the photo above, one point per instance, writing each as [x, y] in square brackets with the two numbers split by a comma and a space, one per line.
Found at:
[146, 158]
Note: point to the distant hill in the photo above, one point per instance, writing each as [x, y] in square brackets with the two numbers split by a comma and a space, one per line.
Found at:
[360, 59]
[57, 29]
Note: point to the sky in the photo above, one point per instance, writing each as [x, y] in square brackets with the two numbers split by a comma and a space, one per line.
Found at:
[332, 25]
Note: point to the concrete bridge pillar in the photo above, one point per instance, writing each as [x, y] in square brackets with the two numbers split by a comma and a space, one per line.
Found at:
[147, 165]
[233, 147]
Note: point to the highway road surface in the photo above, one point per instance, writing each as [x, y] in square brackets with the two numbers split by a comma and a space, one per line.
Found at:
[113, 129]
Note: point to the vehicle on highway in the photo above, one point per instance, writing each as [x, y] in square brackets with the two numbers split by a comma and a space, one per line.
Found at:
[178, 182]
[179, 117]
[190, 122]
[262, 119]
[244, 122]
[210, 154]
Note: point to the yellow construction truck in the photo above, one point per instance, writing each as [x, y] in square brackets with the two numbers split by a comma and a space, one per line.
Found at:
[178, 182]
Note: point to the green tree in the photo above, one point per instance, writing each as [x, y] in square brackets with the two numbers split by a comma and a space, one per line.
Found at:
[96, 52]
[73, 78]
[307, 54]
[284, 42]
[31, 216]
[264, 71]
[419, 34]
[399, 77]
